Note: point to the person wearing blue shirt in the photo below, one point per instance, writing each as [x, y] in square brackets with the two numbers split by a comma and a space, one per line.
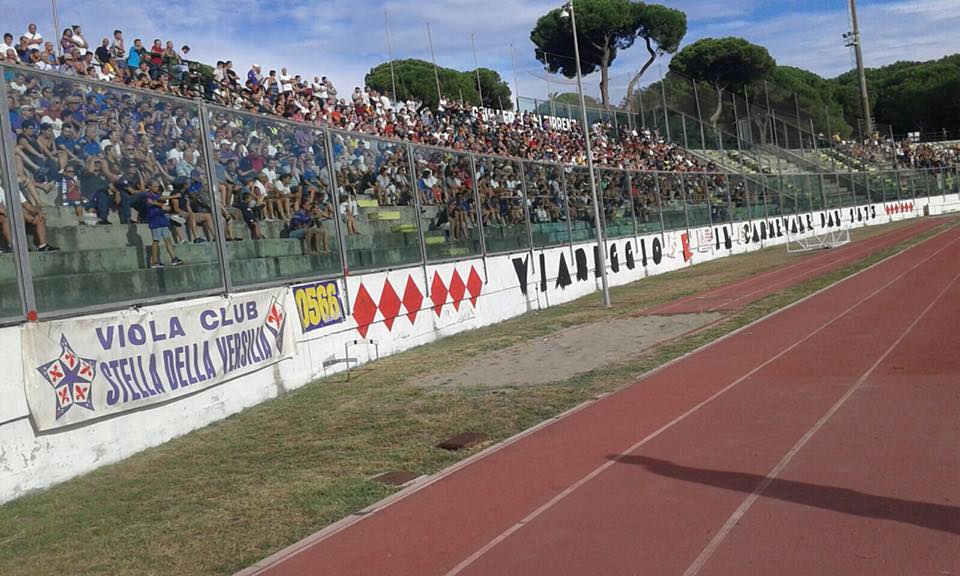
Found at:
[159, 225]
[133, 57]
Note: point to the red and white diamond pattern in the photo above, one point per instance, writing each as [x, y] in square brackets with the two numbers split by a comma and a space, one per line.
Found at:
[390, 305]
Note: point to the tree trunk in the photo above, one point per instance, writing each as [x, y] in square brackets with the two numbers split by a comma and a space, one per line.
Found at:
[761, 121]
[605, 76]
[633, 81]
[719, 110]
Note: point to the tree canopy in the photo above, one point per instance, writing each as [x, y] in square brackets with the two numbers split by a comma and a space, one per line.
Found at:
[415, 80]
[725, 63]
[662, 29]
[910, 96]
[604, 28]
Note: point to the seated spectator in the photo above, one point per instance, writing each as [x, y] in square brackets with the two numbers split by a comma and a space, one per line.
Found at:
[349, 211]
[197, 209]
[33, 218]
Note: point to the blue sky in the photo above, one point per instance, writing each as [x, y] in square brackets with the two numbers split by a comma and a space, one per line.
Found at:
[343, 39]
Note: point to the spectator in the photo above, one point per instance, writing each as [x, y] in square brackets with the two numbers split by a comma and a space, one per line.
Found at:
[159, 224]
[33, 218]
[135, 57]
[7, 45]
[81, 43]
[33, 37]
[118, 48]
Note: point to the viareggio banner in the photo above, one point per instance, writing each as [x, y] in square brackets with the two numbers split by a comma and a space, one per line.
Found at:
[80, 370]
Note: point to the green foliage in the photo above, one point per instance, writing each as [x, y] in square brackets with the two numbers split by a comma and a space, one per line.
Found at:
[726, 63]
[662, 29]
[415, 80]
[604, 27]
[910, 96]
[815, 96]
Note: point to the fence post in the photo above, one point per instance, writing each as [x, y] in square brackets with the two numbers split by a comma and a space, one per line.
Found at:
[219, 223]
[656, 180]
[663, 92]
[412, 166]
[335, 204]
[15, 221]
[476, 200]
[776, 144]
[526, 206]
[633, 208]
[566, 207]
[696, 96]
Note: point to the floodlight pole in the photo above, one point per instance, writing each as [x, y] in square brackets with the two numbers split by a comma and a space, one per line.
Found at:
[858, 52]
[476, 64]
[601, 248]
[393, 76]
[56, 26]
[436, 73]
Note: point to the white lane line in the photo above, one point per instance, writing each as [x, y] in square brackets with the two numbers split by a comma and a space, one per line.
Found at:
[898, 238]
[854, 253]
[738, 514]
[573, 487]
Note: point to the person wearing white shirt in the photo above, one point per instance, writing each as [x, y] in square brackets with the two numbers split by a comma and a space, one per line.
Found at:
[6, 45]
[80, 41]
[286, 81]
[33, 37]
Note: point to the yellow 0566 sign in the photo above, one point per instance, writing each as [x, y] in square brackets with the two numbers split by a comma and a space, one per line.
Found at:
[318, 304]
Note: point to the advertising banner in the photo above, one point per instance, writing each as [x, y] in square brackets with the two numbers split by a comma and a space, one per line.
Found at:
[318, 305]
[80, 370]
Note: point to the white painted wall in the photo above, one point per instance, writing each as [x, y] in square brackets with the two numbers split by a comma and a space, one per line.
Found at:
[31, 461]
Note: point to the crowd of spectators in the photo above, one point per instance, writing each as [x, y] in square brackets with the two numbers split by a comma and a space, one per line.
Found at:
[880, 152]
[100, 151]
[164, 68]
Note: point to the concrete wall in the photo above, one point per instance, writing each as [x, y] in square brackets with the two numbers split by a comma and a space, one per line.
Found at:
[493, 289]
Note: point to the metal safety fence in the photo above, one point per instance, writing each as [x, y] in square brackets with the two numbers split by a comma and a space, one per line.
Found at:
[151, 198]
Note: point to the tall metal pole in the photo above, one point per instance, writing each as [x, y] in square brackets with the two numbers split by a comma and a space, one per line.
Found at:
[393, 76]
[796, 104]
[433, 57]
[516, 84]
[56, 27]
[858, 52]
[663, 93]
[601, 247]
[696, 96]
[776, 142]
[476, 65]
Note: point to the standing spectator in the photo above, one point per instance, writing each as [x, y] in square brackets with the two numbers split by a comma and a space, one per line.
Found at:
[82, 46]
[155, 58]
[159, 225]
[48, 58]
[253, 76]
[7, 45]
[118, 49]
[33, 37]
[135, 57]
[286, 81]
[67, 44]
[103, 52]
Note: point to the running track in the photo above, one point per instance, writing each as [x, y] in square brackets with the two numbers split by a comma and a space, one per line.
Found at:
[824, 439]
[736, 295]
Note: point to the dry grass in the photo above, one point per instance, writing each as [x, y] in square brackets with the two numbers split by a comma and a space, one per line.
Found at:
[234, 492]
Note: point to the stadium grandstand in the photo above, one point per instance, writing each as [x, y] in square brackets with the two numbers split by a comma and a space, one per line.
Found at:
[112, 136]
[192, 252]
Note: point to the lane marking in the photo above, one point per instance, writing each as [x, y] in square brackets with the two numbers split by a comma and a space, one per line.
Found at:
[596, 472]
[738, 514]
[897, 235]
[308, 542]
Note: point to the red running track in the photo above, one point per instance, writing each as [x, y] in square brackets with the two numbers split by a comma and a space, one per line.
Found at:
[739, 294]
[820, 440]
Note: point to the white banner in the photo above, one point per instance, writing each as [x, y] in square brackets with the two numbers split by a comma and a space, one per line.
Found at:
[80, 370]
